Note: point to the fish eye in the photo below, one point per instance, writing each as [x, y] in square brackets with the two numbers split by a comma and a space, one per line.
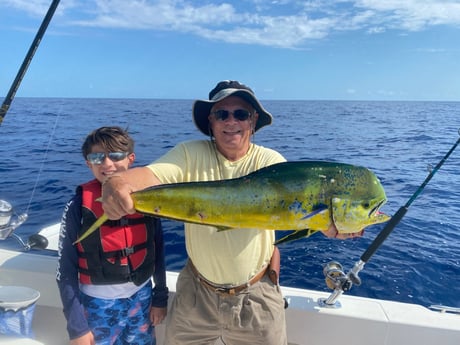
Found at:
[366, 205]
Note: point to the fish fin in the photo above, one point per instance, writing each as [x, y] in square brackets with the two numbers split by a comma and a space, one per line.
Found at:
[313, 213]
[222, 228]
[97, 224]
[295, 235]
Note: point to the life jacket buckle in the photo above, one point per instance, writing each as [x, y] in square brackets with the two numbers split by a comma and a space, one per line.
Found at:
[127, 251]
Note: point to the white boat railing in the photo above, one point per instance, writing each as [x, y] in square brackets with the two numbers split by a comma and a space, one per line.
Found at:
[359, 320]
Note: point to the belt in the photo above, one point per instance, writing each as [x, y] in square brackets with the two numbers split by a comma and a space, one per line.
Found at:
[232, 290]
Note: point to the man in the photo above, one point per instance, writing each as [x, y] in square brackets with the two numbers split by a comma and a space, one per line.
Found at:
[229, 286]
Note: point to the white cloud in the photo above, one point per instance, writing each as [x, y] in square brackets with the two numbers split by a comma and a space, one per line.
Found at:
[35, 7]
[413, 15]
[282, 23]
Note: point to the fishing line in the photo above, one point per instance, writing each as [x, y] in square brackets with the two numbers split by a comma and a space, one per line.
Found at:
[336, 278]
[45, 156]
[402, 210]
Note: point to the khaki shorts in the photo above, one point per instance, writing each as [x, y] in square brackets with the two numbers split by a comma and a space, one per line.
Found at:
[200, 316]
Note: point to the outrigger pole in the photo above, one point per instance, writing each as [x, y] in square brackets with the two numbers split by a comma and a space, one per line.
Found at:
[25, 64]
[333, 271]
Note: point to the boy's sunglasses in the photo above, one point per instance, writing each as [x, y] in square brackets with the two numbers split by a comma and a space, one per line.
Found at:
[99, 157]
[238, 114]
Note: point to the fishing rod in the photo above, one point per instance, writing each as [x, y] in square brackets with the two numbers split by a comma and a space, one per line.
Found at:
[339, 281]
[27, 60]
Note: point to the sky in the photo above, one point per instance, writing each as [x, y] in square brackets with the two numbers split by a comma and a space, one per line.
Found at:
[282, 49]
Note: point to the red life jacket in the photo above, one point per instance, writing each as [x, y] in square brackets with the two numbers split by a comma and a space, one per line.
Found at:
[119, 251]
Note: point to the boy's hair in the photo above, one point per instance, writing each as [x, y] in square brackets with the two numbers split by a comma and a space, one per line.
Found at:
[112, 139]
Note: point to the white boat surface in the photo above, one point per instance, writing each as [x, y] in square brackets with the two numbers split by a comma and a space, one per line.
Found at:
[352, 320]
[357, 320]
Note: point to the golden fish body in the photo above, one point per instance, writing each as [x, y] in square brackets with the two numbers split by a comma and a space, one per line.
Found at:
[305, 195]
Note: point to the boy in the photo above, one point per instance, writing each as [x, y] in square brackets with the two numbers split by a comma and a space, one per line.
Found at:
[105, 280]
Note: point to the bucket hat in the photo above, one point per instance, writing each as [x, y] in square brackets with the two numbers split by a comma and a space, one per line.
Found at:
[224, 89]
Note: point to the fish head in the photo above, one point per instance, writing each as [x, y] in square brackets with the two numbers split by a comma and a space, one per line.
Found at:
[359, 208]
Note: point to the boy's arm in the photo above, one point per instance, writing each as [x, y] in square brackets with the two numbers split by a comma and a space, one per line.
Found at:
[67, 270]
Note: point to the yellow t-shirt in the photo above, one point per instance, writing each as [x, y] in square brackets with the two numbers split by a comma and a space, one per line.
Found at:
[228, 257]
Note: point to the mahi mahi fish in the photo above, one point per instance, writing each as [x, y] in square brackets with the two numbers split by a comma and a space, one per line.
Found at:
[303, 196]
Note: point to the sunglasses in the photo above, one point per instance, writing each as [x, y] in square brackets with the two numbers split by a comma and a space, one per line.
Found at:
[99, 157]
[238, 114]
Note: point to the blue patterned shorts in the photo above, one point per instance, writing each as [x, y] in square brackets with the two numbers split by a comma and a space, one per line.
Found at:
[121, 321]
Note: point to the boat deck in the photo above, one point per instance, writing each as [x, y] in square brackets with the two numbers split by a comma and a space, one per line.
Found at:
[361, 321]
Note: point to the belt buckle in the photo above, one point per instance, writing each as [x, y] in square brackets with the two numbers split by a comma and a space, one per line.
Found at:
[225, 291]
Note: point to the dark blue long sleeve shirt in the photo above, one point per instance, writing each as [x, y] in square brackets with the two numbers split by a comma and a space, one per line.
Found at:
[67, 270]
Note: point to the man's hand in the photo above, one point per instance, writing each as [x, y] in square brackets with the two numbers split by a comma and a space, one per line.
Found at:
[117, 189]
[333, 233]
[116, 199]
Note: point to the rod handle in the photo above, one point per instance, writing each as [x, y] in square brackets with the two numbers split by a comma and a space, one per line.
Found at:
[383, 234]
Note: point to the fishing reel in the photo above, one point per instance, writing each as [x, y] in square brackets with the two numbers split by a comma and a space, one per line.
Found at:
[7, 223]
[10, 221]
[337, 280]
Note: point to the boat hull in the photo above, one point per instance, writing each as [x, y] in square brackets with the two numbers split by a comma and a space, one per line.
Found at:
[361, 321]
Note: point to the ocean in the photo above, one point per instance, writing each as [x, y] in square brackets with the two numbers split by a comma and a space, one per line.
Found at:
[419, 262]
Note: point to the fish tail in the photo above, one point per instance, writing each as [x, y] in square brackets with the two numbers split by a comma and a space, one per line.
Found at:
[97, 224]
